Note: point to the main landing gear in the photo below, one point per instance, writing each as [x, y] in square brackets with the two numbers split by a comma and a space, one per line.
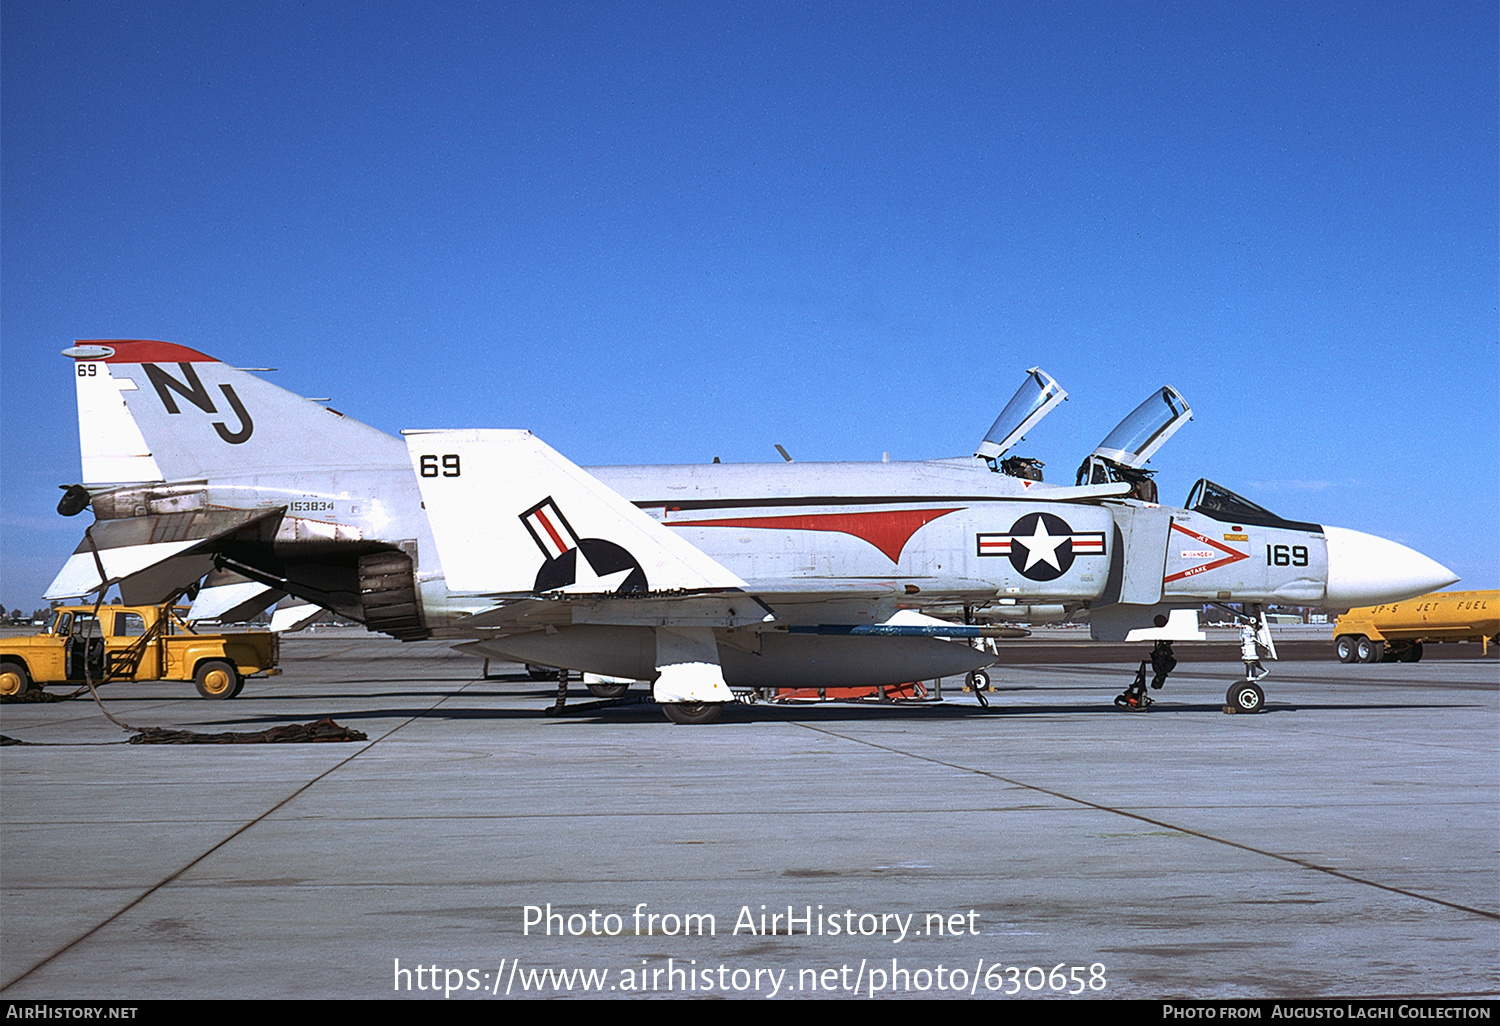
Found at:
[676, 712]
[1162, 663]
[978, 681]
[693, 712]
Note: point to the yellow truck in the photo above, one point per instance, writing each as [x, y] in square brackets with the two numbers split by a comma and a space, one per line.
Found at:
[133, 643]
[1397, 630]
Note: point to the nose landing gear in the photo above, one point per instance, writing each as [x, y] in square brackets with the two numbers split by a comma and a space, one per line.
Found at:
[1245, 696]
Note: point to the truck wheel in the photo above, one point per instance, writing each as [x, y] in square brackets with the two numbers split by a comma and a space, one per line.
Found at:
[217, 679]
[1343, 647]
[14, 680]
[1413, 653]
[1369, 651]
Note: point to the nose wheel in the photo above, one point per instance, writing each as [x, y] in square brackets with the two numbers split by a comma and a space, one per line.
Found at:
[1246, 696]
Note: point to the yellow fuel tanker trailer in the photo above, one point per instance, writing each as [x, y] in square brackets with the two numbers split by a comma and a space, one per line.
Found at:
[1397, 630]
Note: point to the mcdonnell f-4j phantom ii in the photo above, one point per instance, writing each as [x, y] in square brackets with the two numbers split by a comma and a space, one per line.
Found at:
[706, 580]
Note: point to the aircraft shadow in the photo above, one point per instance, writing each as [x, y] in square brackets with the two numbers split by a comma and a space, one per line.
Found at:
[645, 712]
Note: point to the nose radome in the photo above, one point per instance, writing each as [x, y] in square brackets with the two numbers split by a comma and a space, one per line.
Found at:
[1364, 570]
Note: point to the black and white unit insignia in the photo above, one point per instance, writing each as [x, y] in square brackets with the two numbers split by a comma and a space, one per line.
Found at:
[1042, 546]
[580, 564]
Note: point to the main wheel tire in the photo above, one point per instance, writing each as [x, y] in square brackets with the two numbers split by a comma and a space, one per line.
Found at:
[1369, 651]
[1247, 697]
[978, 680]
[1344, 648]
[218, 680]
[602, 690]
[14, 680]
[540, 672]
[693, 712]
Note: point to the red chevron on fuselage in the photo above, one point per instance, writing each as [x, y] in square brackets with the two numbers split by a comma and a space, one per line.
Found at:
[887, 530]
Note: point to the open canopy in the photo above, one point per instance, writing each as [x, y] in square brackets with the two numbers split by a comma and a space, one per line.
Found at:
[1036, 397]
[1136, 438]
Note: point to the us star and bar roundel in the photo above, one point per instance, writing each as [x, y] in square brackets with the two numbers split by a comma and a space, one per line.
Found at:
[1041, 546]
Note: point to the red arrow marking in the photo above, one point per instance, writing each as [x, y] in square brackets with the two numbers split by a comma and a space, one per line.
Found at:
[1234, 556]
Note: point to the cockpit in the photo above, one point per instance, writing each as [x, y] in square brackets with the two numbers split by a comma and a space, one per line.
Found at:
[1219, 503]
[1036, 398]
[1122, 456]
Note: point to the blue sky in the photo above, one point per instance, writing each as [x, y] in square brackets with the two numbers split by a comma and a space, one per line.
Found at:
[665, 232]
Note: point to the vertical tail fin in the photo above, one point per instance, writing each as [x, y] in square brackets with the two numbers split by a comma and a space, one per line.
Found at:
[109, 441]
[155, 411]
[510, 514]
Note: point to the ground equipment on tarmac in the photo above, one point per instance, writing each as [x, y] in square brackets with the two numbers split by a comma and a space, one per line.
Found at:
[111, 643]
[1396, 631]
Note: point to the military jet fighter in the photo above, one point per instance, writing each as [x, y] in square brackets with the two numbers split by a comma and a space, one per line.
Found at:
[706, 580]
